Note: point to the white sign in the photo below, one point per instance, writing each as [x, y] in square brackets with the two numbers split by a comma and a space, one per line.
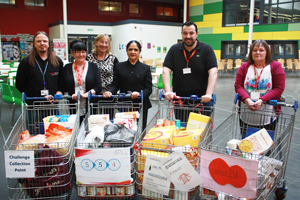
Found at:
[180, 171]
[59, 48]
[102, 166]
[154, 178]
[19, 164]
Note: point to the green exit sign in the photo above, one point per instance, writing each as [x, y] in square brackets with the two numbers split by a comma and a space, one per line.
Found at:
[90, 29]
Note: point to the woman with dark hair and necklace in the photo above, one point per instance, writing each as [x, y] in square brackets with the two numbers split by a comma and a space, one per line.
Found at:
[80, 76]
[132, 76]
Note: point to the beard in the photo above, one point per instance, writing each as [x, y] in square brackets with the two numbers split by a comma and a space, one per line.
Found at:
[43, 51]
[191, 44]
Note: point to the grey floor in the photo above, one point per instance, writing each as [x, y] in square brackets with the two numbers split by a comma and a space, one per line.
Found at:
[225, 94]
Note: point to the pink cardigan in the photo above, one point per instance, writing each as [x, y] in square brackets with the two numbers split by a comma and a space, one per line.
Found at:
[278, 82]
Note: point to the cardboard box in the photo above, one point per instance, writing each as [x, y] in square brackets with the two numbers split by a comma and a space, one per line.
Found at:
[190, 137]
[101, 120]
[159, 137]
[66, 121]
[233, 144]
[197, 121]
[256, 143]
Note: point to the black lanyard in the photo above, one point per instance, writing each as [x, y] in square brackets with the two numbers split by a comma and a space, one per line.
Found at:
[43, 73]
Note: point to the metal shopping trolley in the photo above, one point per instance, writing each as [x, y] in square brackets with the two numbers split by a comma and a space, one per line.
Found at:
[42, 168]
[104, 168]
[258, 170]
[179, 108]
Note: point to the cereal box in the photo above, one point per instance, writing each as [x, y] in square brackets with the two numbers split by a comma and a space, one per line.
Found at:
[197, 121]
[159, 137]
[190, 137]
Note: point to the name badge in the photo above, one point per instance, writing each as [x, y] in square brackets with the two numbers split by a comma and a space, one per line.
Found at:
[187, 70]
[254, 95]
[44, 92]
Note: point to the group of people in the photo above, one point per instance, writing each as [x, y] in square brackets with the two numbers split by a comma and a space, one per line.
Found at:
[192, 63]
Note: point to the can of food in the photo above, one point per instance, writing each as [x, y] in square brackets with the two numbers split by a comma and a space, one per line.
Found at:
[81, 189]
[120, 191]
[178, 124]
[91, 191]
[109, 190]
[101, 190]
[130, 188]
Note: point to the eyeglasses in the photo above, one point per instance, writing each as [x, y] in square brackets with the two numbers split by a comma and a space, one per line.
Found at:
[80, 52]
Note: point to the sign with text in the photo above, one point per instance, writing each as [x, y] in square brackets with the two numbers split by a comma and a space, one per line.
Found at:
[103, 166]
[229, 174]
[19, 164]
[181, 173]
[59, 48]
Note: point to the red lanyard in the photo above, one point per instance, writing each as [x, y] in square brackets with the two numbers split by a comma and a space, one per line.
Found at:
[188, 60]
[79, 73]
[256, 81]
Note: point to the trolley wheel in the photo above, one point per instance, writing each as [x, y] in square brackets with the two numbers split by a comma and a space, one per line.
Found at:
[280, 193]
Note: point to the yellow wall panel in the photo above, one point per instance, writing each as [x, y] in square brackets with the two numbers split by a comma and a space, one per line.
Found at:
[263, 35]
[237, 29]
[218, 54]
[240, 36]
[210, 17]
[199, 24]
[196, 2]
[286, 35]
[215, 23]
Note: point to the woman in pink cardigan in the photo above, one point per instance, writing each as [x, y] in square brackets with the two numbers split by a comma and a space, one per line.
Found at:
[257, 81]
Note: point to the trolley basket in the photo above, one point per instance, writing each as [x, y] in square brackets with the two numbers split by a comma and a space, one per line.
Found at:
[98, 170]
[229, 172]
[42, 168]
[179, 108]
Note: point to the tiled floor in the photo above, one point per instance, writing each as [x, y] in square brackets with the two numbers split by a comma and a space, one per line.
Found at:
[225, 94]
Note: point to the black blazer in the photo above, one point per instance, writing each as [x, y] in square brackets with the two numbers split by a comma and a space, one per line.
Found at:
[92, 79]
[130, 78]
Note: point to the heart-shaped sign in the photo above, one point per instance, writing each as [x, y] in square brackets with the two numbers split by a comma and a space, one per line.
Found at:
[223, 174]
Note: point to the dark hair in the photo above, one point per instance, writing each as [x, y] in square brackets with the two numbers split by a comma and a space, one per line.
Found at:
[188, 23]
[72, 44]
[137, 43]
[258, 43]
[78, 46]
[51, 56]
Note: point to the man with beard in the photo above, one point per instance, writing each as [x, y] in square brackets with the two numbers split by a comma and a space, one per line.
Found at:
[39, 72]
[194, 67]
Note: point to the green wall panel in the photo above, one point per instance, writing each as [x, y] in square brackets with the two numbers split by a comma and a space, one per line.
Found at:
[212, 8]
[294, 27]
[198, 18]
[196, 10]
[268, 28]
[225, 36]
[215, 44]
[212, 1]
[205, 30]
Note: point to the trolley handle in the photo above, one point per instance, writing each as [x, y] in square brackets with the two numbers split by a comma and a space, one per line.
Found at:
[55, 97]
[192, 97]
[117, 96]
[274, 103]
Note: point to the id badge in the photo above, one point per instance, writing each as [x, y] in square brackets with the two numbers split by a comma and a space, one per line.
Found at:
[44, 92]
[254, 95]
[79, 89]
[186, 70]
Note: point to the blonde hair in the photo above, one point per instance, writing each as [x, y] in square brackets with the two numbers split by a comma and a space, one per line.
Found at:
[101, 37]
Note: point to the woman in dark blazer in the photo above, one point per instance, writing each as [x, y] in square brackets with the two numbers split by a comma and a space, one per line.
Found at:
[81, 76]
[132, 76]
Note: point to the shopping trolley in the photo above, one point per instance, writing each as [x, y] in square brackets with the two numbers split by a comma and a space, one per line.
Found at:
[178, 108]
[42, 169]
[107, 171]
[229, 172]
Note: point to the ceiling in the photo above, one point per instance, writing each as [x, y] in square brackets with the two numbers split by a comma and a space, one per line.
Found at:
[179, 2]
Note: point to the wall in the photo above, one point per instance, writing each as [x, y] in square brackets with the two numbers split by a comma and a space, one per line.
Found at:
[207, 14]
[30, 19]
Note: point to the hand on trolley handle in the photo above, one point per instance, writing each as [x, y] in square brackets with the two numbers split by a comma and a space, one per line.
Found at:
[50, 98]
[107, 94]
[172, 96]
[255, 105]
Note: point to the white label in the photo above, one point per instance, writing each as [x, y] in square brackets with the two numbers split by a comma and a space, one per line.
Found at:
[19, 164]
[186, 70]
[254, 95]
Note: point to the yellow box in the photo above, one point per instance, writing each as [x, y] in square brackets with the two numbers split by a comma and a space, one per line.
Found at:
[197, 121]
[159, 138]
[186, 137]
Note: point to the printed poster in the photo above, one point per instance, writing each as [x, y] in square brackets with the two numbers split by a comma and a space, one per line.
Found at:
[59, 47]
[229, 174]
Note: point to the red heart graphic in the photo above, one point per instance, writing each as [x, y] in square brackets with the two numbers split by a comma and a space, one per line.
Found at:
[223, 174]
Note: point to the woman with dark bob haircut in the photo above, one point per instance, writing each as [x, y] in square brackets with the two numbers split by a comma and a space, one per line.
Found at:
[132, 76]
[257, 81]
[81, 76]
